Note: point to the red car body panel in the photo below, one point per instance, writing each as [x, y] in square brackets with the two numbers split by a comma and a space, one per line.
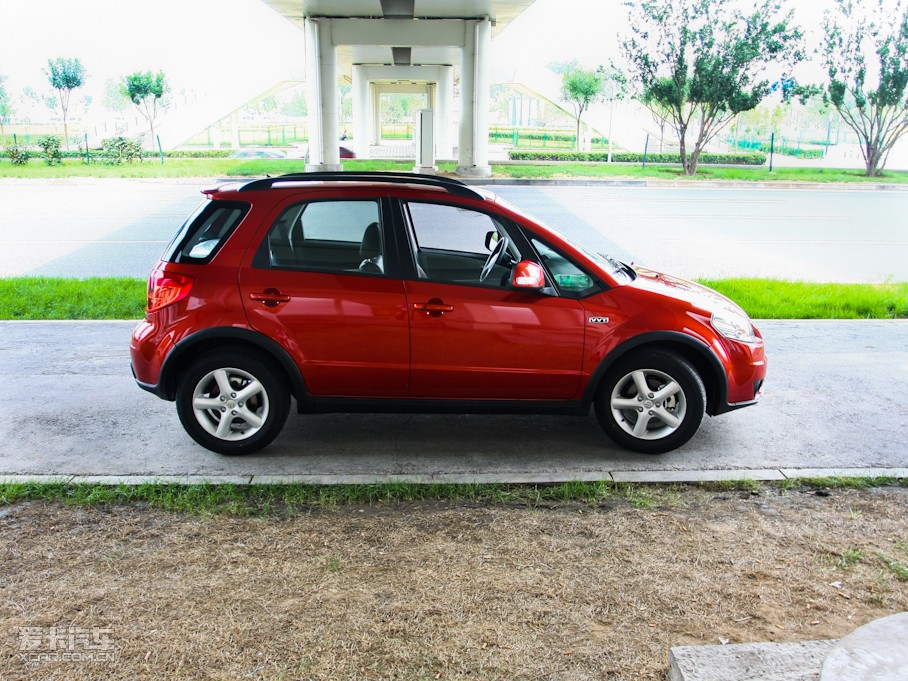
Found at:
[348, 334]
[494, 344]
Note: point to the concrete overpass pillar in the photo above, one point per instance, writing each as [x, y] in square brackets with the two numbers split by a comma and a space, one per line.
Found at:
[362, 112]
[375, 92]
[444, 107]
[473, 156]
[321, 73]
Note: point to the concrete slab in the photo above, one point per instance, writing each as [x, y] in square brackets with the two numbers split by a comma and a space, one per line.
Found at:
[749, 662]
[441, 478]
[436, 478]
[29, 477]
[845, 472]
[161, 479]
[875, 652]
[696, 476]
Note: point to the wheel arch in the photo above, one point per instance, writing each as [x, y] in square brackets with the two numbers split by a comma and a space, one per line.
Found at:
[694, 351]
[219, 338]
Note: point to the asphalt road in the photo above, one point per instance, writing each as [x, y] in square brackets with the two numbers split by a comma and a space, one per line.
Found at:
[87, 227]
[834, 393]
[834, 402]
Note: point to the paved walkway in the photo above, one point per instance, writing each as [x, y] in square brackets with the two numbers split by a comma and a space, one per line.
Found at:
[73, 412]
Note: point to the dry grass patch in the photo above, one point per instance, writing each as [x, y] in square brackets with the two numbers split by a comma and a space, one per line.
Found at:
[436, 590]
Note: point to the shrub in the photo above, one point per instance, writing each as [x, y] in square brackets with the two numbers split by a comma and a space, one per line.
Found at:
[179, 153]
[783, 149]
[536, 136]
[118, 150]
[50, 144]
[740, 158]
[18, 155]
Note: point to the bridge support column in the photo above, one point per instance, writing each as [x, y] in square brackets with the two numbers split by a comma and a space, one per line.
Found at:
[362, 112]
[473, 158]
[444, 106]
[321, 73]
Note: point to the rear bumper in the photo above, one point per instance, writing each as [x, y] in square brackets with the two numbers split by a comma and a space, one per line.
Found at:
[153, 388]
[147, 350]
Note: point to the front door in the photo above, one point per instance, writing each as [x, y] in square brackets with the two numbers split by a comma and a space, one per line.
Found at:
[472, 336]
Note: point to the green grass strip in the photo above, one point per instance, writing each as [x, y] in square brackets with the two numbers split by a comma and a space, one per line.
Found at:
[50, 298]
[704, 173]
[291, 499]
[188, 167]
[772, 299]
[226, 167]
[264, 500]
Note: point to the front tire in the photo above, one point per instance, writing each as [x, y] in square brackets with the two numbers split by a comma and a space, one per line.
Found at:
[231, 403]
[651, 402]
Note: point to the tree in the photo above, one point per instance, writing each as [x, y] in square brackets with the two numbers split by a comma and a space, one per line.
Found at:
[296, 105]
[6, 108]
[114, 100]
[65, 75]
[581, 88]
[146, 90]
[661, 115]
[614, 87]
[866, 56]
[561, 67]
[706, 61]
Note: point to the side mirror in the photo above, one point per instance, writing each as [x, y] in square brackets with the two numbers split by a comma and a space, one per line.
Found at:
[528, 275]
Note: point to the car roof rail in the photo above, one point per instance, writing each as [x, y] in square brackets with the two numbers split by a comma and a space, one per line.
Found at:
[451, 185]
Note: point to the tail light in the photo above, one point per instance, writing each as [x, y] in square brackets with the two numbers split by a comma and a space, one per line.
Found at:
[166, 288]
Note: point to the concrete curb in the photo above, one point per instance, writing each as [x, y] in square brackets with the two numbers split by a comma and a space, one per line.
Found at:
[650, 477]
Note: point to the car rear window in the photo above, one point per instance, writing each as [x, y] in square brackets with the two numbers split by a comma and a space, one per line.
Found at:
[205, 231]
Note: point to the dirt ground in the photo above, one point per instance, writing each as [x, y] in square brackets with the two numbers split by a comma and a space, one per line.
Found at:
[441, 590]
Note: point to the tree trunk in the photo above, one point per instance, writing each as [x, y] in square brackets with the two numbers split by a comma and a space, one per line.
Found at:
[872, 161]
[577, 142]
[682, 148]
[64, 105]
[691, 166]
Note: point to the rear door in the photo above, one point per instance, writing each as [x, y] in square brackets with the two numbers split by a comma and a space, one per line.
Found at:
[322, 282]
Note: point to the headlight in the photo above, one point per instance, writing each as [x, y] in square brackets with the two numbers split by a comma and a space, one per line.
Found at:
[734, 324]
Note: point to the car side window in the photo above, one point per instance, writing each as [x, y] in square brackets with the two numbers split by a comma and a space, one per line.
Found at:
[569, 278]
[333, 236]
[205, 232]
[460, 245]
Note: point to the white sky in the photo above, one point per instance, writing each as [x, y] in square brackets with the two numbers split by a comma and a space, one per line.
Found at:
[203, 44]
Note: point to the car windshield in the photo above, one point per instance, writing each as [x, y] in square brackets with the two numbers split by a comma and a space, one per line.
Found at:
[617, 269]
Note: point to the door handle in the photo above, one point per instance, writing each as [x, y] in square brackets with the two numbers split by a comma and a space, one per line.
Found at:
[271, 297]
[433, 307]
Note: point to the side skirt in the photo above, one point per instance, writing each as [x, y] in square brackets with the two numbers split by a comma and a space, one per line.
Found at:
[334, 405]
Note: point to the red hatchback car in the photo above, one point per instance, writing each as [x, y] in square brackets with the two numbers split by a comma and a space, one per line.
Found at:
[396, 292]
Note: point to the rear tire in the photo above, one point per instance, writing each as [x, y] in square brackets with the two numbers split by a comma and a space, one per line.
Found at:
[651, 402]
[232, 403]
